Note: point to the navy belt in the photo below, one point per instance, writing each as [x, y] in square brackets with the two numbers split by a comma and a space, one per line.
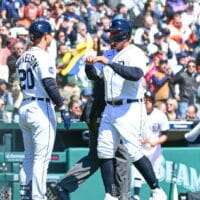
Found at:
[37, 99]
[123, 101]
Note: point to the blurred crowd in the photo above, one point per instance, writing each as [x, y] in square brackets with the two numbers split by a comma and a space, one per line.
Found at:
[168, 31]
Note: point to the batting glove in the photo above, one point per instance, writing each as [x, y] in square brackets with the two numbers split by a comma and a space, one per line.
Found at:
[66, 118]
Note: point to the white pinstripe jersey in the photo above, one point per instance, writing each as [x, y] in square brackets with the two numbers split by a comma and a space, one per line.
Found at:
[38, 60]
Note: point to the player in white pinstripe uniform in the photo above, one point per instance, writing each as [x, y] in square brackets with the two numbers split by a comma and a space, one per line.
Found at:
[37, 121]
[124, 116]
[157, 126]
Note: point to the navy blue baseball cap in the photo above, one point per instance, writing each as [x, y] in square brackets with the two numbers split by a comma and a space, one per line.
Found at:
[182, 54]
[158, 35]
[38, 28]
[149, 94]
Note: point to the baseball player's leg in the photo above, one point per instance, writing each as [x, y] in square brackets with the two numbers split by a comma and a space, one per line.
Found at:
[43, 139]
[156, 162]
[144, 166]
[82, 170]
[122, 165]
[108, 140]
[108, 176]
[27, 165]
[25, 173]
[137, 183]
[86, 166]
[131, 140]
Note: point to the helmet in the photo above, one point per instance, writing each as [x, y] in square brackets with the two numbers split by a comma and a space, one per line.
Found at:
[150, 95]
[123, 28]
[38, 28]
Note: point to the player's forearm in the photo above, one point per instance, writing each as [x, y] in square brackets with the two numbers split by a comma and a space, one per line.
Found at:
[129, 73]
[162, 139]
[91, 72]
[53, 92]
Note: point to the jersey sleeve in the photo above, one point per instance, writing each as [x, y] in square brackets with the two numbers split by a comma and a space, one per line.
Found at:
[164, 122]
[47, 67]
[140, 59]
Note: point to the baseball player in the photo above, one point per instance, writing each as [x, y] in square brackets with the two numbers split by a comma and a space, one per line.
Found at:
[37, 121]
[124, 116]
[157, 126]
[90, 163]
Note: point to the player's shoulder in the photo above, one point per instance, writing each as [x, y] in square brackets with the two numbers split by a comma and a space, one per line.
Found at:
[135, 48]
[158, 112]
[109, 52]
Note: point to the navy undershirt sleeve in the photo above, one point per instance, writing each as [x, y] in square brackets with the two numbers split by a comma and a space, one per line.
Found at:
[53, 92]
[129, 73]
[165, 132]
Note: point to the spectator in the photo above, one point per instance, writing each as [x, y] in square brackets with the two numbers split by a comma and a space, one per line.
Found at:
[155, 135]
[103, 24]
[178, 5]
[75, 110]
[18, 50]
[57, 14]
[191, 113]
[4, 30]
[172, 106]
[178, 31]
[84, 43]
[141, 9]
[30, 15]
[22, 35]
[63, 57]
[70, 12]
[5, 93]
[182, 59]
[68, 28]
[152, 69]
[161, 105]
[187, 87]
[161, 80]
[12, 10]
[70, 88]
[85, 95]
[145, 33]
[35, 4]
[158, 43]
[61, 38]
[87, 11]
[17, 100]
[112, 3]
[102, 10]
[3, 114]
[170, 46]
[82, 33]
[5, 53]
[121, 11]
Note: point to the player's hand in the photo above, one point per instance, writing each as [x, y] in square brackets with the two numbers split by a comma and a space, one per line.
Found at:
[102, 59]
[66, 118]
[92, 59]
[148, 142]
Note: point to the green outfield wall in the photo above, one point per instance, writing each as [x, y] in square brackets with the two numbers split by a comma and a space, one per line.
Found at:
[187, 161]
